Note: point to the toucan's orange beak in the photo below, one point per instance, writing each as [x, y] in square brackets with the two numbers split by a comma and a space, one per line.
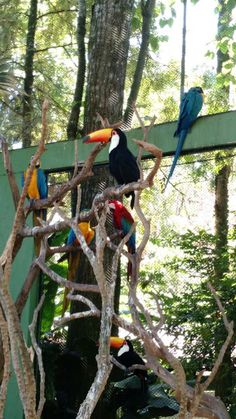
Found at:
[99, 136]
[116, 342]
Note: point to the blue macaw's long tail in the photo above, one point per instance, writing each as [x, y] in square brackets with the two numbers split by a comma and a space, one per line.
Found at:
[182, 136]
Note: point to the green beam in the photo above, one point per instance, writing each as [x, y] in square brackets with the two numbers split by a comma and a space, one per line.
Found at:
[208, 133]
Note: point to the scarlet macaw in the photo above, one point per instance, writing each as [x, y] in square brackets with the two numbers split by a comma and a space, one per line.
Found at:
[123, 221]
[190, 106]
[122, 163]
[74, 257]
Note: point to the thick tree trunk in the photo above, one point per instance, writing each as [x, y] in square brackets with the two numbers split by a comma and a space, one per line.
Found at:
[221, 220]
[224, 379]
[29, 78]
[107, 59]
[72, 127]
[108, 53]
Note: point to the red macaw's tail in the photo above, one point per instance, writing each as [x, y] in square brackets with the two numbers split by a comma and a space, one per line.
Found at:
[131, 250]
[73, 265]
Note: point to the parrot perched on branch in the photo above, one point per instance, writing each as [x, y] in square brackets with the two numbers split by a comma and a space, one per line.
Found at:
[190, 106]
[122, 163]
[123, 221]
[74, 257]
[37, 188]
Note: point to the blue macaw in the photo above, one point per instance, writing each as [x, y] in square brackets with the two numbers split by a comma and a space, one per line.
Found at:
[190, 106]
[123, 222]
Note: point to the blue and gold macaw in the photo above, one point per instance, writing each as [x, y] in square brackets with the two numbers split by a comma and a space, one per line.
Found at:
[37, 188]
[190, 106]
[74, 257]
[123, 222]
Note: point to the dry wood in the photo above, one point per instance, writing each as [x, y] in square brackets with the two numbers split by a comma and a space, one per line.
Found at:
[38, 352]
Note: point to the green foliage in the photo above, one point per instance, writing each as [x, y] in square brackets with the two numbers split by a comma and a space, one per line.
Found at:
[136, 402]
[159, 403]
[51, 307]
[188, 305]
[59, 238]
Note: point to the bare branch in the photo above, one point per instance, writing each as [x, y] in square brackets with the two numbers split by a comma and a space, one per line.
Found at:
[64, 282]
[38, 352]
[8, 167]
[7, 362]
[23, 295]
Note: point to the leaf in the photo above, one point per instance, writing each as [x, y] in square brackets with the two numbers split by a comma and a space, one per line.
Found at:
[159, 403]
[58, 238]
[135, 23]
[224, 45]
[166, 22]
[50, 288]
[131, 382]
[234, 47]
[154, 42]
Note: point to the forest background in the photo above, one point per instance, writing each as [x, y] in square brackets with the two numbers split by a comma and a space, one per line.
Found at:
[43, 44]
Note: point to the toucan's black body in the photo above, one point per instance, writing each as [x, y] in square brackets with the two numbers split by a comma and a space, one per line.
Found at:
[122, 163]
[129, 358]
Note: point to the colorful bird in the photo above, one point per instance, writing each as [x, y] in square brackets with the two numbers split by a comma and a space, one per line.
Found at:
[86, 230]
[127, 356]
[37, 188]
[190, 106]
[74, 257]
[122, 163]
[123, 222]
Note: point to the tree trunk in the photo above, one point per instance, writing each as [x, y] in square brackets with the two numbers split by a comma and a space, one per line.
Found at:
[29, 78]
[183, 56]
[108, 53]
[221, 220]
[147, 13]
[224, 380]
[72, 127]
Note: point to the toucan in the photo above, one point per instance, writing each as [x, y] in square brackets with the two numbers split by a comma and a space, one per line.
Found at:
[123, 221]
[122, 163]
[190, 106]
[127, 356]
[74, 257]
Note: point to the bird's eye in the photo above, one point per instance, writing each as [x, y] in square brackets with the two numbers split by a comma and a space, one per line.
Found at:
[113, 132]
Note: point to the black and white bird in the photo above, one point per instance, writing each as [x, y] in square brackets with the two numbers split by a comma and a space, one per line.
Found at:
[122, 163]
[127, 356]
